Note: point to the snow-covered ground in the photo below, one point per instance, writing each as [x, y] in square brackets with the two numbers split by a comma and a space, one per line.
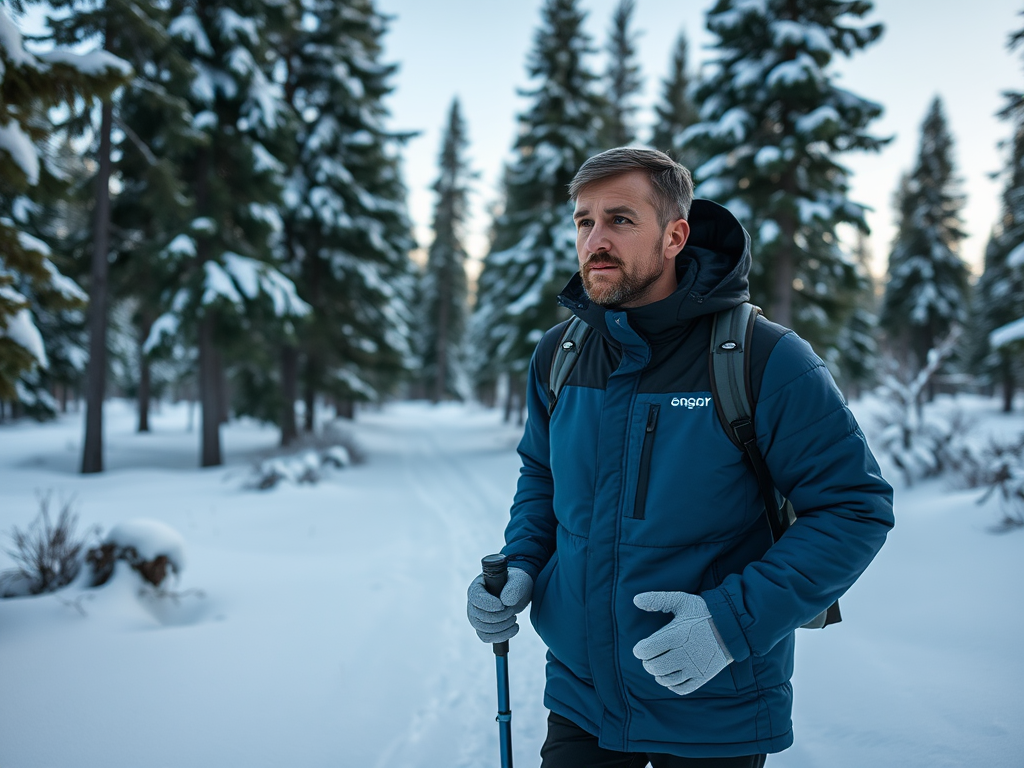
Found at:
[325, 625]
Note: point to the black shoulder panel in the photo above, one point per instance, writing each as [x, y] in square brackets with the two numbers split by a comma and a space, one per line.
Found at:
[546, 351]
[766, 336]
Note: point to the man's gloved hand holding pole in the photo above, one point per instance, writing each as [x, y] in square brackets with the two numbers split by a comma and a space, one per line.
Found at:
[686, 652]
[494, 618]
[495, 597]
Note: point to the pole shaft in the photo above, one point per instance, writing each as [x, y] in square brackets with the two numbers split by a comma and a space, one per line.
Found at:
[504, 713]
[495, 568]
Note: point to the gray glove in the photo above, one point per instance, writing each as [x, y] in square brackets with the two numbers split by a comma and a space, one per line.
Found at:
[495, 620]
[687, 652]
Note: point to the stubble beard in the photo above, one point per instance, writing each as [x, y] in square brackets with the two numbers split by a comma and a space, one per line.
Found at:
[630, 288]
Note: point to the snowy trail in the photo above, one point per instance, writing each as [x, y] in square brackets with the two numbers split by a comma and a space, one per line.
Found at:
[454, 723]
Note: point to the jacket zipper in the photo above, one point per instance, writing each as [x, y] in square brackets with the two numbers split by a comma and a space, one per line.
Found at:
[645, 463]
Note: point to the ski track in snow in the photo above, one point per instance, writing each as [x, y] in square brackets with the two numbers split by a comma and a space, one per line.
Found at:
[458, 712]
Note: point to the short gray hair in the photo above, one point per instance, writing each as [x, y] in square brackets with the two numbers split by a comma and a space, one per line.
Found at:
[670, 182]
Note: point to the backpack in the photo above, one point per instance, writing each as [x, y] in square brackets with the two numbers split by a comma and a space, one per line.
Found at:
[729, 365]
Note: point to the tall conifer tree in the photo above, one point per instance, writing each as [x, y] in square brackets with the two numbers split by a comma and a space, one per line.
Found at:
[227, 286]
[129, 30]
[622, 79]
[676, 111]
[347, 229]
[774, 125]
[30, 283]
[928, 280]
[855, 354]
[999, 296]
[444, 291]
[533, 252]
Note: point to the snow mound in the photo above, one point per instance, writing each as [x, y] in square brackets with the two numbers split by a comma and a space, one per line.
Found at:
[150, 539]
[308, 467]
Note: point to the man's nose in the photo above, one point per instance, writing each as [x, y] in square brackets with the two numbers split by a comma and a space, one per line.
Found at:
[597, 240]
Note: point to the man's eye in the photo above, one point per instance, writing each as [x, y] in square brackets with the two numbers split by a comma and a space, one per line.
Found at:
[583, 223]
[621, 220]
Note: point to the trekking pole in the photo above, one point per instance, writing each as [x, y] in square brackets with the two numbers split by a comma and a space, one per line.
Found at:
[495, 568]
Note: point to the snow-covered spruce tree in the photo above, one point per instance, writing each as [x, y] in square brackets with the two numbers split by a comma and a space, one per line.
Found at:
[855, 354]
[347, 230]
[130, 30]
[30, 283]
[622, 79]
[999, 294]
[773, 125]
[926, 293]
[65, 223]
[444, 291]
[149, 133]
[676, 112]
[154, 134]
[228, 293]
[533, 251]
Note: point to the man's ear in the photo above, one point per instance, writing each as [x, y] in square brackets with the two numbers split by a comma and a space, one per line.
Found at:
[676, 235]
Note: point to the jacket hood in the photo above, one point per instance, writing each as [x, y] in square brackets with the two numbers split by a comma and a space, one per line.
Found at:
[712, 271]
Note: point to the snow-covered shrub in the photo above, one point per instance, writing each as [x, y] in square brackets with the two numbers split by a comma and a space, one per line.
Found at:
[919, 444]
[308, 466]
[47, 553]
[998, 467]
[150, 547]
[922, 445]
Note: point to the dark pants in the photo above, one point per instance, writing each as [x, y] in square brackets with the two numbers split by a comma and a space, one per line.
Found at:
[569, 746]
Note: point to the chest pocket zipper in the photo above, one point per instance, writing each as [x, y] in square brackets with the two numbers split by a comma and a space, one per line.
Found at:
[644, 475]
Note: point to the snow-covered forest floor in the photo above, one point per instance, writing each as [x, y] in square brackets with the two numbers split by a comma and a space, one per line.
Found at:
[329, 628]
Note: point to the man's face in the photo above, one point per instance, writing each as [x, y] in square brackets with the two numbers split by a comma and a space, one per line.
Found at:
[626, 258]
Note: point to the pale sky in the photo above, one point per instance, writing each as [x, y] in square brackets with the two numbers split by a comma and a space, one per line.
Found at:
[477, 49]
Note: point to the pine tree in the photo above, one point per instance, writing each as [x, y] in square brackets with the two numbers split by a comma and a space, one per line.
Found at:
[30, 283]
[146, 129]
[622, 79]
[347, 230]
[228, 293]
[854, 357]
[444, 293]
[773, 126]
[533, 250]
[927, 291]
[999, 295]
[676, 112]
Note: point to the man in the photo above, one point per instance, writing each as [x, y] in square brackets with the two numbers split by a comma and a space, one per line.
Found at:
[633, 503]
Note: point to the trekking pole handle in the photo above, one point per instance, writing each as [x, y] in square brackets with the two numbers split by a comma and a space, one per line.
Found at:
[495, 568]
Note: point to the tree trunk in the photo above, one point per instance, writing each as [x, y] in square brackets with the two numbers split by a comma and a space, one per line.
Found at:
[785, 270]
[209, 392]
[145, 379]
[345, 409]
[510, 397]
[223, 389]
[144, 394]
[289, 392]
[441, 352]
[96, 383]
[309, 394]
[1008, 381]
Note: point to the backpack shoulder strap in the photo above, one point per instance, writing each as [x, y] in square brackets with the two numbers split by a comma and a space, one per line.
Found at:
[567, 354]
[732, 331]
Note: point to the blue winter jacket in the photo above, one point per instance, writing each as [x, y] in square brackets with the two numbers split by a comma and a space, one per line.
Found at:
[632, 485]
